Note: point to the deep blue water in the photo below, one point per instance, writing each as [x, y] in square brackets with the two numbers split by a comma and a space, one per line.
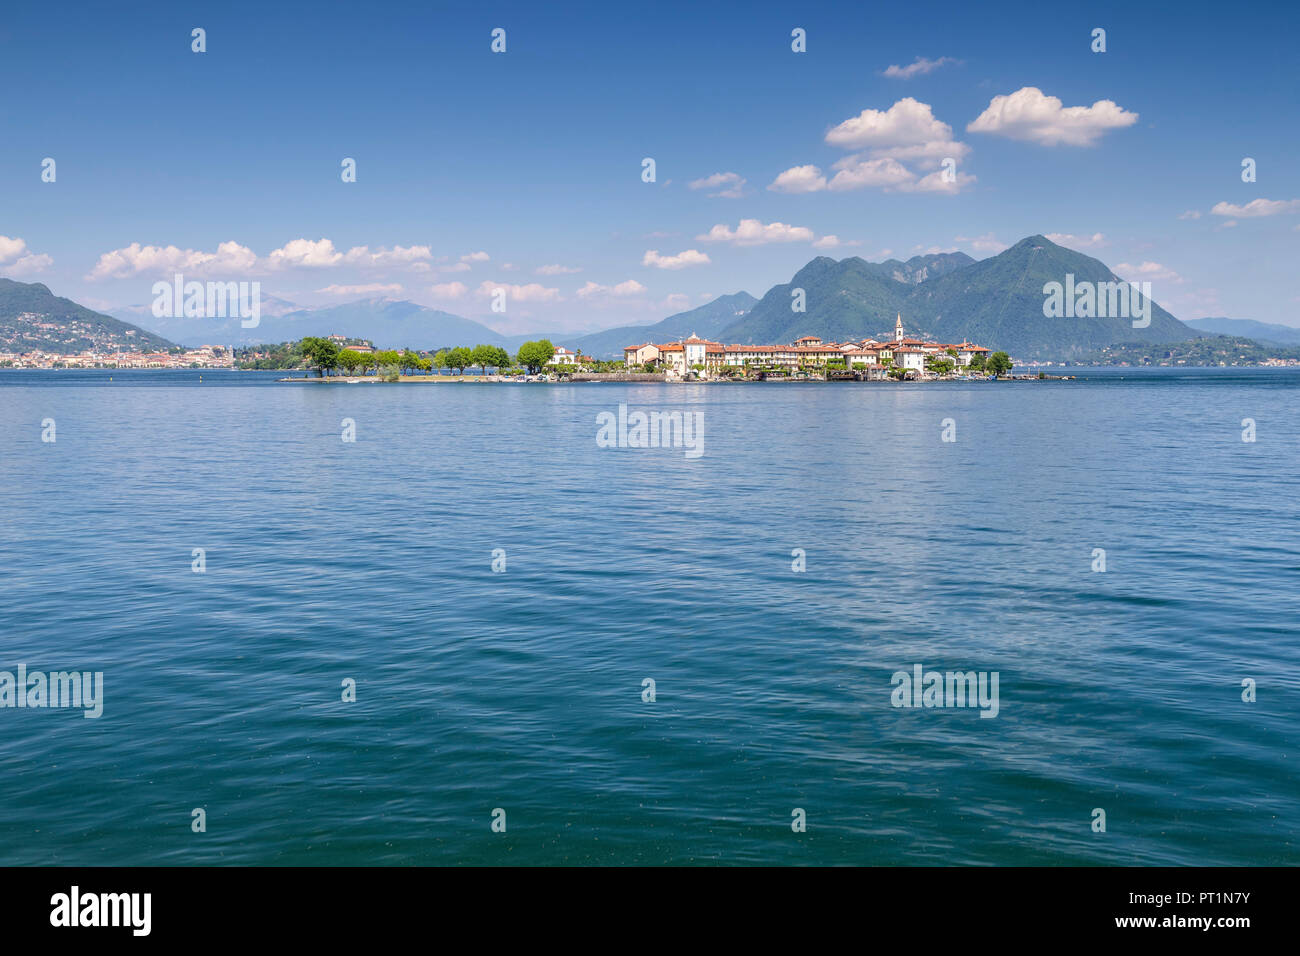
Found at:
[522, 690]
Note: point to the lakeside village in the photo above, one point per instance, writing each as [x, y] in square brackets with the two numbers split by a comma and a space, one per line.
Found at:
[206, 356]
[688, 359]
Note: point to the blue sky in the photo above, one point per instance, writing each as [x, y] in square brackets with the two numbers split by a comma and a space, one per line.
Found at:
[523, 170]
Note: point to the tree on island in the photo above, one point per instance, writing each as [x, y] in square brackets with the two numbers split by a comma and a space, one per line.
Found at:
[533, 355]
[489, 355]
[977, 362]
[413, 362]
[999, 363]
[321, 354]
[457, 359]
[351, 361]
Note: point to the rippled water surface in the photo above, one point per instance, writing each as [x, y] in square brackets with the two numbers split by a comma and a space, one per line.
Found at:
[522, 690]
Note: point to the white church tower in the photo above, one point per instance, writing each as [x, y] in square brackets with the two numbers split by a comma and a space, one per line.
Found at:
[898, 328]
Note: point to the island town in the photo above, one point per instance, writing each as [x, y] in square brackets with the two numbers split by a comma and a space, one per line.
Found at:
[902, 357]
[690, 359]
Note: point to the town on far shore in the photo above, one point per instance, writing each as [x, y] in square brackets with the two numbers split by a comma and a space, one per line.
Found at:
[205, 356]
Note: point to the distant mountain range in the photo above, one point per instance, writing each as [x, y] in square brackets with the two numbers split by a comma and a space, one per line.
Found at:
[950, 297]
[387, 322]
[404, 324]
[32, 318]
[707, 321]
[1249, 328]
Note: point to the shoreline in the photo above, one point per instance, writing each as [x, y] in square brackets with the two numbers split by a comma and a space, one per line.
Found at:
[594, 378]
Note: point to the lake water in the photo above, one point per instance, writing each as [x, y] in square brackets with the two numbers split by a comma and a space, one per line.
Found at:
[371, 561]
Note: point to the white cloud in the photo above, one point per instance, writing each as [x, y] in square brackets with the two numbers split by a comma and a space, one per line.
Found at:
[136, 259]
[374, 288]
[415, 257]
[233, 258]
[11, 249]
[827, 242]
[906, 123]
[320, 253]
[556, 270]
[592, 290]
[532, 292]
[1029, 114]
[906, 133]
[475, 257]
[449, 290]
[1152, 271]
[690, 257]
[677, 301]
[918, 67]
[1257, 207]
[986, 243]
[857, 173]
[305, 253]
[752, 232]
[928, 155]
[799, 179]
[17, 260]
[936, 182]
[1071, 241]
[729, 185]
[1191, 214]
[28, 265]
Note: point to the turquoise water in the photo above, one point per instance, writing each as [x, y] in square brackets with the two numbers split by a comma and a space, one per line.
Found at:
[522, 690]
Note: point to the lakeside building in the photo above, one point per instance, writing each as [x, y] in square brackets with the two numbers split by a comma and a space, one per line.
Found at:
[806, 352]
[563, 356]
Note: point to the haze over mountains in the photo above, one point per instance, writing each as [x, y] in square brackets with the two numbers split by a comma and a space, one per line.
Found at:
[950, 297]
[1268, 332]
[406, 324]
[707, 321]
